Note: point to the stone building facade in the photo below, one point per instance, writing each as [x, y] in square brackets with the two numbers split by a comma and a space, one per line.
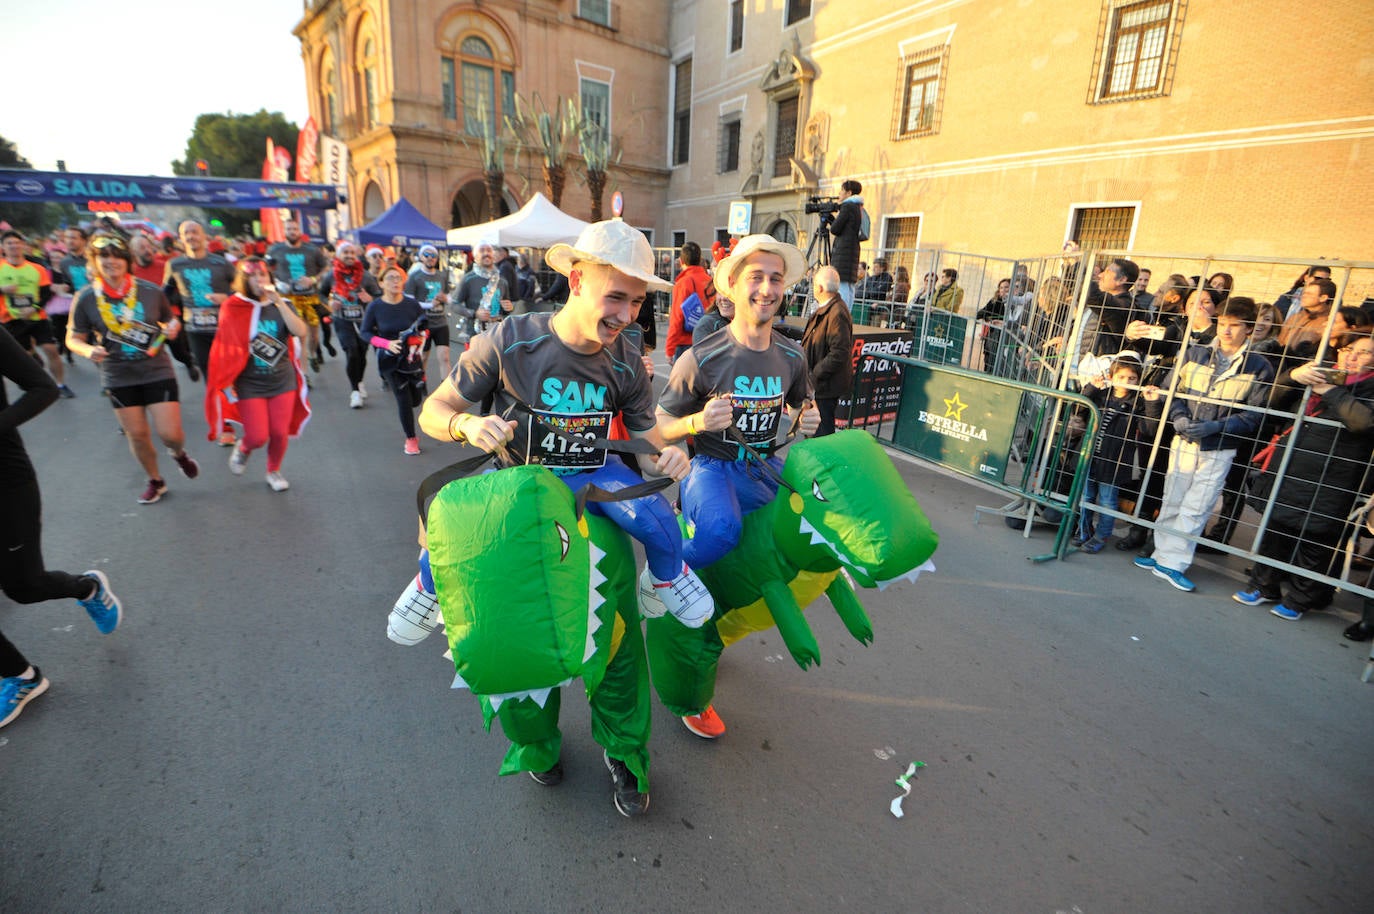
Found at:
[400, 81]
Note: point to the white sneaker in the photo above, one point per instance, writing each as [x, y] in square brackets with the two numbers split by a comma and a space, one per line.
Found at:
[355, 400]
[238, 461]
[684, 596]
[362, 390]
[278, 482]
[414, 616]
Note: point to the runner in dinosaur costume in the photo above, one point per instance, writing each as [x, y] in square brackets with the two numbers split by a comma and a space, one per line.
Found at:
[843, 507]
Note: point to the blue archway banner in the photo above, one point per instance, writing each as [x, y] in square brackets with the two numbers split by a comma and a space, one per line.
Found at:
[232, 193]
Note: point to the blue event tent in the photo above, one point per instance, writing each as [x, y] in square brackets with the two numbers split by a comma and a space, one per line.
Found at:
[402, 225]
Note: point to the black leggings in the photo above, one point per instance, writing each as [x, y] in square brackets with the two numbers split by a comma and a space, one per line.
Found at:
[23, 577]
[354, 350]
[200, 348]
[408, 396]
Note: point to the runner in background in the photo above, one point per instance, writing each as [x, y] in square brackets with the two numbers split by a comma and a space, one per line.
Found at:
[301, 266]
[25, 288]
[429, 285]
[120, 323]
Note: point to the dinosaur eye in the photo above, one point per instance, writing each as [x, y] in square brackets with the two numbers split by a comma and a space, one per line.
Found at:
[563, 537]
[816, 491]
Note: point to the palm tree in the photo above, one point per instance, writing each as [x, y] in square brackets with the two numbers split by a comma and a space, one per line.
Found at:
[552, 132]
[493, 140]
[599, 152]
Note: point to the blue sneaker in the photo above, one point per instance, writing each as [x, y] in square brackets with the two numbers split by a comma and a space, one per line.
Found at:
[1254, 597]
[15, 692]
[1175, 578]
[1093, 546]
[1143, 561]
[1288, 615]
[103, 606]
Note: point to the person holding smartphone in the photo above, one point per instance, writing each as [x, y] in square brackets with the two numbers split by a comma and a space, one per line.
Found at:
[1328, 469]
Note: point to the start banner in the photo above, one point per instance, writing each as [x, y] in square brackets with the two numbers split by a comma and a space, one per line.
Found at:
[23, 185]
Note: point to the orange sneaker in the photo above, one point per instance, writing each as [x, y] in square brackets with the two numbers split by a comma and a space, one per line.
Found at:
[707, 724]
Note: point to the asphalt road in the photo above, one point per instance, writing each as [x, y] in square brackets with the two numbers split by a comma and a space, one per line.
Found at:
[249, 740]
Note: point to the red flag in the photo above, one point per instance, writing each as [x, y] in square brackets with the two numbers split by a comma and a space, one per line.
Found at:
[271, 218]
[307, 150]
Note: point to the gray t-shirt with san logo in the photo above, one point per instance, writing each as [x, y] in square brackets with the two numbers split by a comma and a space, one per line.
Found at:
[761, 384]
[522, 359]
[197, 278]
[268, 371]
[135, 351]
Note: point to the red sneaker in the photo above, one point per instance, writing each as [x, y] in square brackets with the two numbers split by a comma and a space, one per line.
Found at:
[707, 724]
[412, 446]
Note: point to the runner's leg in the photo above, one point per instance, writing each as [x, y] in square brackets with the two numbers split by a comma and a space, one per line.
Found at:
[23, 577]
[256, 423]
[134, 421]
[279, 411]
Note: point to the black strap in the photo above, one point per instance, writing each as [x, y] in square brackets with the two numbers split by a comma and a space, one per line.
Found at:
[734, 434]
[431, 484]
[595, 493]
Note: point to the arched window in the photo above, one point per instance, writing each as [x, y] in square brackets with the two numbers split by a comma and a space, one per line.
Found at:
[369, 89]
[374, 204]
[476, 70]
[329, 95]
[783, 231]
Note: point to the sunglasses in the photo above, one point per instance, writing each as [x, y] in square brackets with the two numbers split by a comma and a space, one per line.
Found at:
[111, 243]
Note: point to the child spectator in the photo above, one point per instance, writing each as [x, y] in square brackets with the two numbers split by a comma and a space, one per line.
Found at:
[1130, 419]
[1217, 391]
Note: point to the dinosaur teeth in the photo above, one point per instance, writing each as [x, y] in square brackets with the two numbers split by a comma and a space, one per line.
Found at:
[911, 575]
[538, 696]
[594, 600]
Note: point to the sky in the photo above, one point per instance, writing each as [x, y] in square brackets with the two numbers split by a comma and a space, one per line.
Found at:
[172, 63]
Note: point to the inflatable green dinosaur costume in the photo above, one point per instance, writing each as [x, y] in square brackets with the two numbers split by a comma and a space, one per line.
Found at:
[847, 509]
[536, 594]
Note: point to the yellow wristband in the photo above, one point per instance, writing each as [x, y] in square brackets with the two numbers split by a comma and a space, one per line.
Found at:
[692, 424]
[456, 434]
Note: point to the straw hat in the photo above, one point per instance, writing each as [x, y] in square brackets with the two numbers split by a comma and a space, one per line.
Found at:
[615, 244]
[794, 264]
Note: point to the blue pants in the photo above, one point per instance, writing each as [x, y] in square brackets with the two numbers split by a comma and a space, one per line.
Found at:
[649, 519]
[1092, 525]
[715, 497]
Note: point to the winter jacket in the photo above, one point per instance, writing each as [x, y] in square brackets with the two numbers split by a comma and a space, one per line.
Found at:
[1328, 469]
[1125, 435]
[692, 279]
[1246, 380]
[844, 235]
[828, 342]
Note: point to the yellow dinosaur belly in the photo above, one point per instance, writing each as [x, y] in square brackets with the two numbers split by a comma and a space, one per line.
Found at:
[737, 623]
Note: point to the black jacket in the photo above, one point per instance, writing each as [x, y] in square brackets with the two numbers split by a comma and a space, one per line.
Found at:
[1329, 467]
[828, 342]
[844, 239]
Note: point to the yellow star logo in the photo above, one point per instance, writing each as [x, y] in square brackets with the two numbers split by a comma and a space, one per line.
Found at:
[954, 408]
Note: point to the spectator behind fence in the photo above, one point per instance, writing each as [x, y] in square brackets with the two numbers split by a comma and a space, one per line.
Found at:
[1308, 323]
[995, 314]
[1212, 387]
[1141, 300]
[901, 286]
[828, 342]
[948, 295]
[1109, 296]
[1222, 284]
[1289, 302]
[1328, 469]
[1265, 339]
[1129, 422]
[878, 284]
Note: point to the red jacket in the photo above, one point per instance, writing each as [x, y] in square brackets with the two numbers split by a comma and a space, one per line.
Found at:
[229, 353]
[691, 279]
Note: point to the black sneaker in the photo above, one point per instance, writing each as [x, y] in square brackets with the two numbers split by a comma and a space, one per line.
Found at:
[551, 778]
[65, 392]
[629, 802]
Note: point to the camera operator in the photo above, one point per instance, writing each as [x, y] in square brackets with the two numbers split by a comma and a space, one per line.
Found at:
[844, 234]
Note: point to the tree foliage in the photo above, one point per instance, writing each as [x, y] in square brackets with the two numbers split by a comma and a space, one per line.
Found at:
[234, 145]
[30, 218]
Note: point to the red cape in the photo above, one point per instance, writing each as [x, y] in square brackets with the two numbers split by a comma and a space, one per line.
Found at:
[229, 354]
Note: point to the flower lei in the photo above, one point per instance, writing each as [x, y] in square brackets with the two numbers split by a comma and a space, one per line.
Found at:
[118, 325]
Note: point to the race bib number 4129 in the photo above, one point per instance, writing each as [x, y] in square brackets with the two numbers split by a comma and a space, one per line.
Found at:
[566, 453]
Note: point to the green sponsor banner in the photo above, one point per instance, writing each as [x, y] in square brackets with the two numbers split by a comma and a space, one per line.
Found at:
[958, 422]
[939, 335]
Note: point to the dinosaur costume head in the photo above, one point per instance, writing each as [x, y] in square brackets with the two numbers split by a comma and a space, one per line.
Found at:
[855, 512]
[527, 605]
